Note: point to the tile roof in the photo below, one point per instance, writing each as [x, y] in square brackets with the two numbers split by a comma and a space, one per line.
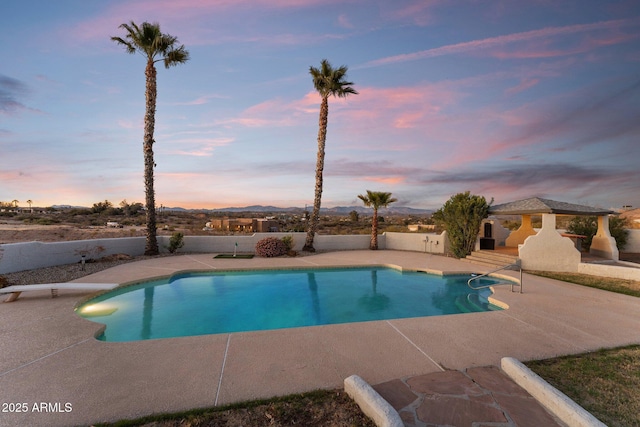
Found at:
[536, 205]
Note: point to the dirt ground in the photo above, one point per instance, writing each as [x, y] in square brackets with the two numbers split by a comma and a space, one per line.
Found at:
[14, 232]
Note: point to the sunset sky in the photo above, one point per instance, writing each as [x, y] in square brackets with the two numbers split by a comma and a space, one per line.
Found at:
[508, 99]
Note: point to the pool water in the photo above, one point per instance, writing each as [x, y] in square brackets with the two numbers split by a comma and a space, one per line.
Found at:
[224, 302]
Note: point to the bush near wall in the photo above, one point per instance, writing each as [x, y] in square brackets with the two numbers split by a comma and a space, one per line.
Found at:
[270, 247]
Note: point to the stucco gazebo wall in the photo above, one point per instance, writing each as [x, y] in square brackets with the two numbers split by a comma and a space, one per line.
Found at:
[499, 233]
[548, 250]
[518, 236]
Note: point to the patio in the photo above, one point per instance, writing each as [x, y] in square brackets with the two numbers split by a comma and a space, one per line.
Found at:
[49, 354]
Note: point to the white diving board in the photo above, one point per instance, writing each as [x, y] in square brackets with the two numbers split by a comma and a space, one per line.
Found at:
[16, 290]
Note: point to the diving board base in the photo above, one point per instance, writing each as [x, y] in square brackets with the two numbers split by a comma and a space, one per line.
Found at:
[16, 290]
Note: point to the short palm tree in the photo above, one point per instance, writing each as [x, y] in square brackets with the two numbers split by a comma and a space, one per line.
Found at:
[376, 199]
[155, 47]
[328, 82]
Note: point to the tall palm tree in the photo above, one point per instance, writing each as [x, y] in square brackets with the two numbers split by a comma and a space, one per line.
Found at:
[376, 199]
[328, 82]
[155, 47]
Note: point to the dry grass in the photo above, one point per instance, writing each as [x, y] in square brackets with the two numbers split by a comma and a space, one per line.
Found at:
[621, 286]
[606, 382]
[313, 409]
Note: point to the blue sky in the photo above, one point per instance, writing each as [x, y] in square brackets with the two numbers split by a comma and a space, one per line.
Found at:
[508, 99]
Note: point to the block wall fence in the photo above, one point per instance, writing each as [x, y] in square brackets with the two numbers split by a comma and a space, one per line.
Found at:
[30, 255]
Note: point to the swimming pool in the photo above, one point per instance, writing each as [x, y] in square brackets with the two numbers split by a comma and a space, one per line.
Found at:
[223, 302]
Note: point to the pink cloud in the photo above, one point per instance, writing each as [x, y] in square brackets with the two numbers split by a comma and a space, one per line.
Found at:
[274, 112]
[201, 100]
[181, 18]
[494, 42]
[542, 50]
[418, 12]
[399, 107]
[198, 147]
[392, 180]
[344, 22]
[524, 85]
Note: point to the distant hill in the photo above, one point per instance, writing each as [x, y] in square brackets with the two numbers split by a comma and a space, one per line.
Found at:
[337, 210]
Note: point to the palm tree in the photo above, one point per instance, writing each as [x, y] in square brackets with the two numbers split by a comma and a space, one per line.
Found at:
[328, 82]
[30, 202]
[156, 47]
[376, 199]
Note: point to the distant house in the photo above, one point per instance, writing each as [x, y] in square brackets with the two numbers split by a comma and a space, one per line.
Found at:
[418, 227]
[257, 225]
[632, 216]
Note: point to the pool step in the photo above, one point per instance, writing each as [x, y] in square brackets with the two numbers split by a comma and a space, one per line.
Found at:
[471, 303]
[490, 258]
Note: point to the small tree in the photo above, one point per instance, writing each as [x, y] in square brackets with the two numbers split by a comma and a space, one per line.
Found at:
[101, 207]
[176, 242]
[376, 199]
[588, 226]
[288, 242]
[462, 216]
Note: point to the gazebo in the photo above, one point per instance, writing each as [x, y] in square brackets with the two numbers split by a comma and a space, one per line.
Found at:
[547, 249]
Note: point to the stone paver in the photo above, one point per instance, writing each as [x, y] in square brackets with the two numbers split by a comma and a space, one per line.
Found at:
[474, 397]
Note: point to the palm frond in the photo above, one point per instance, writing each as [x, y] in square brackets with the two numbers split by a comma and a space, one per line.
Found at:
[149, 40]
[331, 81]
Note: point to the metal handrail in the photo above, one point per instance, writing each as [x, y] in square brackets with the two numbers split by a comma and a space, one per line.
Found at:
[515, 264]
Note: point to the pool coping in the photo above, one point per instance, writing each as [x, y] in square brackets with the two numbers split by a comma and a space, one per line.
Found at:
[49, 354]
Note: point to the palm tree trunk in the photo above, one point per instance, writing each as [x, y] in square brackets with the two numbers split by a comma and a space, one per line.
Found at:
[374, 230]
[322, 138]
[151, 247]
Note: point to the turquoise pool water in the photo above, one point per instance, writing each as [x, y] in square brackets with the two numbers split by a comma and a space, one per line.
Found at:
[223, 302]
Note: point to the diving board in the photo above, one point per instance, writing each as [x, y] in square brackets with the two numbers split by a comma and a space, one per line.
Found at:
[16, 290]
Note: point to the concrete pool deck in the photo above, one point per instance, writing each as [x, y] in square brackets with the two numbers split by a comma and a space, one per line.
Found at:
[49, 355]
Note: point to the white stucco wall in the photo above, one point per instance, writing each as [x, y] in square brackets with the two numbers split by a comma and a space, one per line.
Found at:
[247, 244]
[29, 255]
[605, 270]
[548, 250]
[417, 242]
[499, 233]
[633, 241]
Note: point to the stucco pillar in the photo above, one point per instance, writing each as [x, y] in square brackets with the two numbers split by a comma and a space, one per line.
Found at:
[603, 244]
[520, 235]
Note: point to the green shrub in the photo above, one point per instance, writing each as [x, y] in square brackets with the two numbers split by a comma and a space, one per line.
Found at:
[462, 215]
[176, 242]
[588, 226]
[288, 242]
